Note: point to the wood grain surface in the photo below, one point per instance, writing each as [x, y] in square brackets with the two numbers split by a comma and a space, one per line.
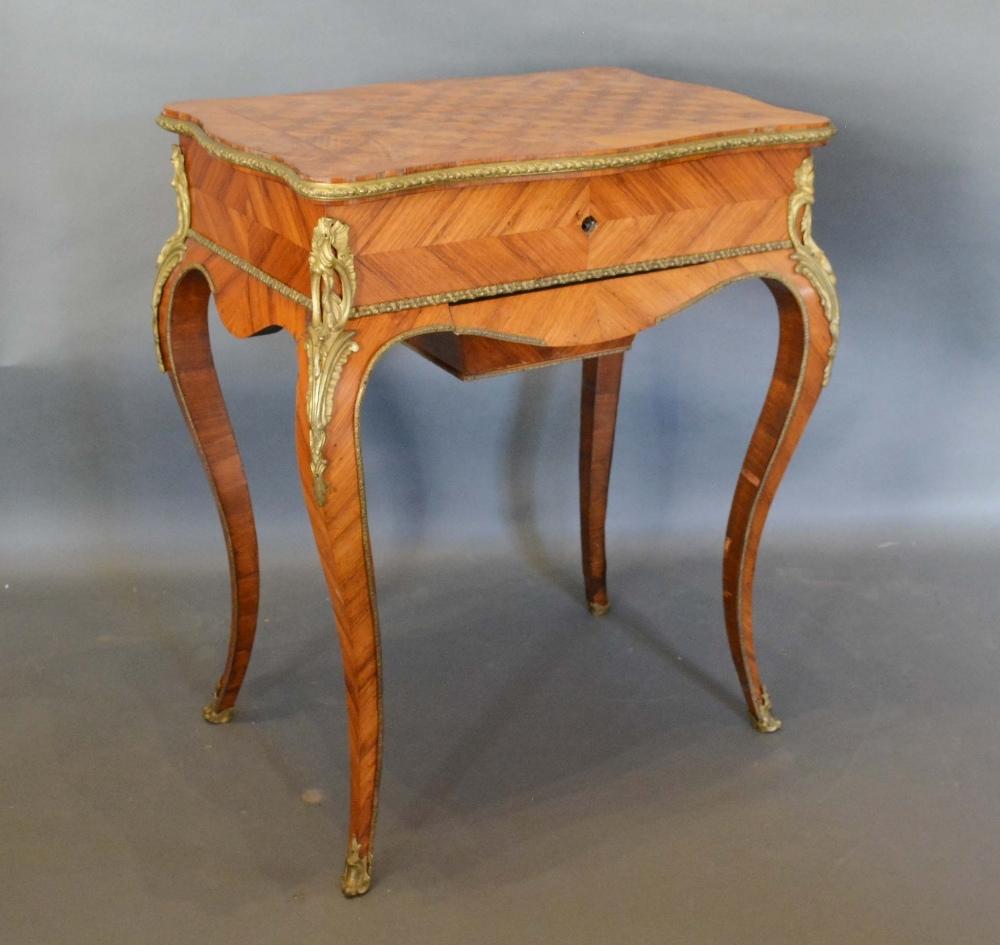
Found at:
[188, 358]
[340, 526]
[602, 378]
[803, 353]
[401, 128]
[416, 244]
[473, 357]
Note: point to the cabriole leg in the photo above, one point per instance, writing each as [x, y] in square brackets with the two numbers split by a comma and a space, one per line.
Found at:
[598, 413]
[336, 505]
[335, 358]
[803, 355]
[192, 371]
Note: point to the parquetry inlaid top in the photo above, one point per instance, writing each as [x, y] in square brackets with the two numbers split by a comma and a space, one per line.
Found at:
[388, 130]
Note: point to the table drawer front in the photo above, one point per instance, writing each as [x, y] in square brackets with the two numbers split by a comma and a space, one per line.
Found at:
[427, 243]
[691, 207]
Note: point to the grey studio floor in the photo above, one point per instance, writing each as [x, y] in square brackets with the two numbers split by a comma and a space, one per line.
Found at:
[549, 776]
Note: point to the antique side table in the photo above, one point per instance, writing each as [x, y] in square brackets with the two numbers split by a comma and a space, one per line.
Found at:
[491, 224]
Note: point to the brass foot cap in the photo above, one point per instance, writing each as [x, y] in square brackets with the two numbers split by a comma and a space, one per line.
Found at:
[213, 715]
[598, 609]
[765, 722]
[762, 719]
[357, 876]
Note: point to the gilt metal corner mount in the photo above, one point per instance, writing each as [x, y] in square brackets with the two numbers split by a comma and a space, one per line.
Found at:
[810, 260]
[328, 343]
[173, 249]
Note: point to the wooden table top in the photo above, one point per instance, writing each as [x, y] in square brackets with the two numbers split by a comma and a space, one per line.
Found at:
[375, 132]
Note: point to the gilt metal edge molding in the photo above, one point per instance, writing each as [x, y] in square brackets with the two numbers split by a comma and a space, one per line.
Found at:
[328, 343]
[501, 288]
[357, 875]
[810, 260]
[251, 270]
[349, 190]
[571, 278]
[173, 249]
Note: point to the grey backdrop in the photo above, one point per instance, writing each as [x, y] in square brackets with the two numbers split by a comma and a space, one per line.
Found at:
[112, 567]
[96, 464]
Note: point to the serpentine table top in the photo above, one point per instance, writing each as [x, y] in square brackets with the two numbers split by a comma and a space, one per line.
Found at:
[591, 118]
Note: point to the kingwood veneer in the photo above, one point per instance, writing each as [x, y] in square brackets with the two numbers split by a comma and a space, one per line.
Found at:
[493, 225]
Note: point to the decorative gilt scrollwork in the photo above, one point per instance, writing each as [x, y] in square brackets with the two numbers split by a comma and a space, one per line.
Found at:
[328, 342]
[810, 260]
[173, 248]
[357, 876]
